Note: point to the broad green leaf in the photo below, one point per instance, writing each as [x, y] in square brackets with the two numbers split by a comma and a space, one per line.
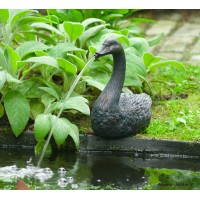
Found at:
[66, 66]
[30, 47]
[156, 39]
[47, 99]
[32, 19]
[37, 107]
[159, 64]
[2, 79]
[4, 15]
[11, 79]
[13, 58]
[39, 148]
[16, 17]
[73, 30]
[41, 25]
[134, 64]
[1, 110]
[74, 133]
[18, 111]
[45, 60]
[50, 91]
[42, 126]
[90, 33]
[30, 88]
[76, 103]
[132, 80]
[80, 63]
[92, 82]
[150, 58]
[140, 44]
[60, 50]
[61, 130]
[89, 21]
[3, 61]
[40, 53]
[46, 37]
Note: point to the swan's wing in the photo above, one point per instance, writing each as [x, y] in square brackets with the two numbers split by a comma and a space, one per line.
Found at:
[139, 104]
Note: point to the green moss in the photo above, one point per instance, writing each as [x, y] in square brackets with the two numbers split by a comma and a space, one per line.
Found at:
[175, 119]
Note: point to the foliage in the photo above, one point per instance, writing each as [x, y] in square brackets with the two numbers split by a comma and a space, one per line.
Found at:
[41, 56]
[169, 179]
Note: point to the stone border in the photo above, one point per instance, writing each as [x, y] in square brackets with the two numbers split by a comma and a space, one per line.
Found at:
[159, 147]
[129, 145]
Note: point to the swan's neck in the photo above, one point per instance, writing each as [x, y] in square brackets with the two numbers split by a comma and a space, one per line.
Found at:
[109, 98]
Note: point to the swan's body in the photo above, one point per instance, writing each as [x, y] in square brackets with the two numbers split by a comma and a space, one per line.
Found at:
[117, 114]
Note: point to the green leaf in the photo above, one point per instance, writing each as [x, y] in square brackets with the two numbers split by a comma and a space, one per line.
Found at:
[42, 126]
[156, 39]
[4, 15]
[66, 66]
[30, 47]
[39, 148]
[159, 64]
[2, 79]
[50, 91]
[60, 50]
[92, 82]
[134, 64]
[132, 80]
[181, 120]
[90, 33]
[16, 17]
[140, 44]
[3, 61]
[37, 107]
[32, 19]
[76, 103]
[79, 62]
[74, 133]
[73, 30]
[45, 60]
[11, 79]
[13, 58]
[61, 129]
[46, 37]
[1, 110]
[41, 25]
[89, 21]
[18, 110]
[150, 58]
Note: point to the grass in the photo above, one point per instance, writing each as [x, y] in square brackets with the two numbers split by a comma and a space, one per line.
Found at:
[177, 118]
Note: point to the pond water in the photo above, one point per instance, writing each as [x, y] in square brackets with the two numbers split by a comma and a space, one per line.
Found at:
[69, 171]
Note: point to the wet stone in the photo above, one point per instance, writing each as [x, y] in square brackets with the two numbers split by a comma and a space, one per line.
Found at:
[162, 26]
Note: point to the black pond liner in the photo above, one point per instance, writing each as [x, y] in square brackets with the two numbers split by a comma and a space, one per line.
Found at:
[130, 145]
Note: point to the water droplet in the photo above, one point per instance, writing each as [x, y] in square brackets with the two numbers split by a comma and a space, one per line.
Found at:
[99, 180]
[62, 182]
[74, 186]
[70, 179]
[62, 171]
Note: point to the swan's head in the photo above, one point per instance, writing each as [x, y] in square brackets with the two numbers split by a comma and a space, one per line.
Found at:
[110, 46]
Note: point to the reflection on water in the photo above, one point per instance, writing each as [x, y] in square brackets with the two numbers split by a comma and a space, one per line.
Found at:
[87, 171]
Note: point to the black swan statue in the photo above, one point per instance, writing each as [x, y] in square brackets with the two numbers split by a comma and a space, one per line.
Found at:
[116, 114]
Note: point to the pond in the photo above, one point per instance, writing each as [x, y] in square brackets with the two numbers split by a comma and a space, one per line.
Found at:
[69, 171]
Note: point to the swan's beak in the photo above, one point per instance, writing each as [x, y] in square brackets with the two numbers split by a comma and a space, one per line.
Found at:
[102, 52]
